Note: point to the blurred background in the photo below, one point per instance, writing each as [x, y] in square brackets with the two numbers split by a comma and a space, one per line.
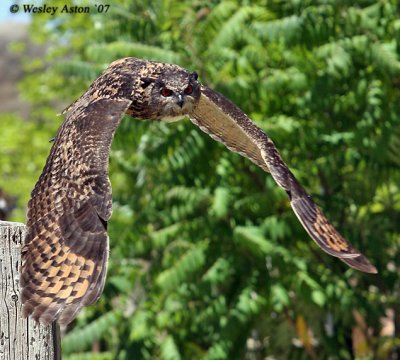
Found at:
[207, 259]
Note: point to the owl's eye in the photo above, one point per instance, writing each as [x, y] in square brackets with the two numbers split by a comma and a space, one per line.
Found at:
[166, 92]
[188, 90]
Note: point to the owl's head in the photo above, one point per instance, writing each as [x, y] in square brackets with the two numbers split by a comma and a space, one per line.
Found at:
[170, 94]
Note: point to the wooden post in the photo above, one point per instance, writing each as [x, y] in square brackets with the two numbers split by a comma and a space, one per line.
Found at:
[20, 339]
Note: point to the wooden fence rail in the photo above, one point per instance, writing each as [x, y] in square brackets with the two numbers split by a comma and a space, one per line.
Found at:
[20, 339]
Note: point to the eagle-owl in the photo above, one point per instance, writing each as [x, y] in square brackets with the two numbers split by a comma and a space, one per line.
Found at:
[66, 248]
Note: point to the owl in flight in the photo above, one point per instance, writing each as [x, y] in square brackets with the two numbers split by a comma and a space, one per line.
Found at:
[64, 259]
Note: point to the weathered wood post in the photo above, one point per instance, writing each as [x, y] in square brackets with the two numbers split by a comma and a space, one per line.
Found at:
[20, 339]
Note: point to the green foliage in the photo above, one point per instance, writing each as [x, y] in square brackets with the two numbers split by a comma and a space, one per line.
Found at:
[82, 338]
[90, 356]
[20, 167]
[191, 261]
[207, 259]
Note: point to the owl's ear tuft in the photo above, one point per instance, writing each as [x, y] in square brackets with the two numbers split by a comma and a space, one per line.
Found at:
[194, 75]
[146, 81]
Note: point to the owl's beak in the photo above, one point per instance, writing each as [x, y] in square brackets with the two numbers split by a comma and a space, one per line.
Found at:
[180, 100]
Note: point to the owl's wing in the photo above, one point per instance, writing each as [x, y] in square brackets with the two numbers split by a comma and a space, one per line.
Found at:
[225, 122]
[64, 259]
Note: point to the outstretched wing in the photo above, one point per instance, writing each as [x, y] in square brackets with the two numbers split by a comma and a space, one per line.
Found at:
[225, 122]
[64, 259]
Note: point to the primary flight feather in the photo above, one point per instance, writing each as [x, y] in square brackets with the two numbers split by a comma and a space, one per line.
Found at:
[66, 248]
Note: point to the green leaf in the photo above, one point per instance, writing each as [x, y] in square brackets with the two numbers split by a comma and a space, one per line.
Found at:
[81, 338]
[189, 263]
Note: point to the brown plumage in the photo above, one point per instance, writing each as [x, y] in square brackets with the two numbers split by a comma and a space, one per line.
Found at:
[225, 122]
[66, 248]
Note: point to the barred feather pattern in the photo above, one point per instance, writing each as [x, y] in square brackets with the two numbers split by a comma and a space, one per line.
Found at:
[66, 247]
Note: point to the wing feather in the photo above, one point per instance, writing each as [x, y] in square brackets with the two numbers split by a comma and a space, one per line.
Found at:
[66, 248]
[226, 123]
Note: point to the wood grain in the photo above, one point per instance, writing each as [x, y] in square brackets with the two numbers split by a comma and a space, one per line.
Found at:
[20, 338]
